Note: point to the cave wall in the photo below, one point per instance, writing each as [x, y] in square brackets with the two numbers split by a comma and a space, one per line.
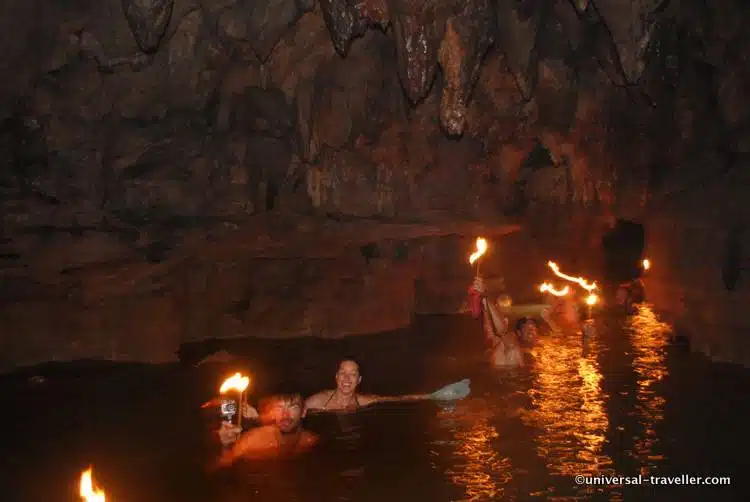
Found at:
[157, 155]
[696, 213]
[698, 243]
[324, 278]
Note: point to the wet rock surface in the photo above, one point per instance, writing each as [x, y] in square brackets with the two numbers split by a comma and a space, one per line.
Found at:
[133, 130]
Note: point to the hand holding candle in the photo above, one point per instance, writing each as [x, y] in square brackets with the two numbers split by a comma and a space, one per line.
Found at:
[237, 383]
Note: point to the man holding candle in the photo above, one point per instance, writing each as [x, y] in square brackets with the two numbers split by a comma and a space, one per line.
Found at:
[230, 428]
[503, 344]
[229, 432]
[281, 435]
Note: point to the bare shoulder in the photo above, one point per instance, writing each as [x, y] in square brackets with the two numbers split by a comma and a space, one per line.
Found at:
[318, 401]
[249, 443]
[253, 437]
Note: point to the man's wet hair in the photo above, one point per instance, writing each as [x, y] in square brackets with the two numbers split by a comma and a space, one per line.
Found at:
[293, 398]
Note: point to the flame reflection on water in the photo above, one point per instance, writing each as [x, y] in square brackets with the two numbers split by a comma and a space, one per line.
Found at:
[568, 408]
[648, 337]
[480, 470]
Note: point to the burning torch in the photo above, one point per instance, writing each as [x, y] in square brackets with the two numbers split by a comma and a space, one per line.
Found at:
[476, 255]
[237, 383]
[588, 286]
[86, 489]
[591, 300]
[475, 296]
[549, 288]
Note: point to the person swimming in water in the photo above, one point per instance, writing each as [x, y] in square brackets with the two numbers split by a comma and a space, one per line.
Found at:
[527, 331]
[345, 397]
[281, 434]
[629, 294]
[503, 344]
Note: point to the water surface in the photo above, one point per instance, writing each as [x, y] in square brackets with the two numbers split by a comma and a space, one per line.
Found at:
[625, 403]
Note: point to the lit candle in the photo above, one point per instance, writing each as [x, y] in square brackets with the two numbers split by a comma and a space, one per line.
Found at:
[238, 383]
[476, 255]
[87, 490]
[549, 288]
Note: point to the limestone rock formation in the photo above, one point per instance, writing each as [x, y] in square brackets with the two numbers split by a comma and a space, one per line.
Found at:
[134, 130]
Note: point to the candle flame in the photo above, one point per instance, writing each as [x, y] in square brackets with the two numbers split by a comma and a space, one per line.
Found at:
[549, 288]
[592, 299]
[86, 488]
[646, 264]
[588, 286]
[235, 382]
[481, 249]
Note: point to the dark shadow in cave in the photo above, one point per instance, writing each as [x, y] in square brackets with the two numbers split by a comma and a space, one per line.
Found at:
[272, 192]
[623, 247]
[538, 158]
[370, 251]
[731, 269]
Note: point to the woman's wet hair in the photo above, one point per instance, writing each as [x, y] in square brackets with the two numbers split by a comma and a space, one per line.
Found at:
[347, 360]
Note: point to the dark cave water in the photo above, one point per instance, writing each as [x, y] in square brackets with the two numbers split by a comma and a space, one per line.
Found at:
[626, 403]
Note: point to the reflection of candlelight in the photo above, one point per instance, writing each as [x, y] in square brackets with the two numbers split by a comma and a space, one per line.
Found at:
[482, 471]
[578, 280]
[648, 336]
[481, 249]
[549, 288]
[238, 383]
[568, 408]
[646, 264]
[86, 488]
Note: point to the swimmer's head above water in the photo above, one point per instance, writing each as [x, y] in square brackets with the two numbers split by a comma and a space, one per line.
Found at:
[527, 330]
[345, 396]
[280, 435]
[348, 378]
[285, 411]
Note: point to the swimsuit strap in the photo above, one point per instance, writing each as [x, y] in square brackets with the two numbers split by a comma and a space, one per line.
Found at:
[333, 393]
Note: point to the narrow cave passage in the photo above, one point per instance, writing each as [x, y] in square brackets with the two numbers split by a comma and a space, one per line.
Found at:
[623, 247]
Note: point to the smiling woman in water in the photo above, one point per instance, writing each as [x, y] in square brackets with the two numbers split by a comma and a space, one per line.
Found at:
[345, 397]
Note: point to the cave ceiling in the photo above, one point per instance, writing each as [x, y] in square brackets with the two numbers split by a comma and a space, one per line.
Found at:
[119, 115]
